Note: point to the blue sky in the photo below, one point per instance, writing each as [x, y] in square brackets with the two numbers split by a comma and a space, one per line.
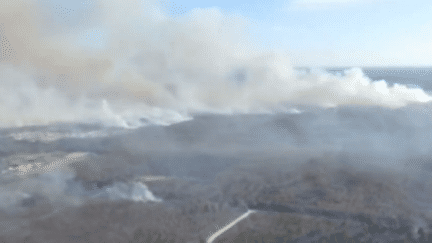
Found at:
[330, 32]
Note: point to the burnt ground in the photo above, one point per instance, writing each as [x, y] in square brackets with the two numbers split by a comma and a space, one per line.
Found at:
[310, 203]
[300, 195]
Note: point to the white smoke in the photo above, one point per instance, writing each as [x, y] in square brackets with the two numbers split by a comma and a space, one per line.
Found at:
[120, 63]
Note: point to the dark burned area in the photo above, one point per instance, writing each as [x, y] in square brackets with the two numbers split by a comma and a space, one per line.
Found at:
[298, 195]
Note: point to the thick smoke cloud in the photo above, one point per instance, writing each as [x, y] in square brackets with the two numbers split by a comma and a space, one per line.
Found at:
[116, 63]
